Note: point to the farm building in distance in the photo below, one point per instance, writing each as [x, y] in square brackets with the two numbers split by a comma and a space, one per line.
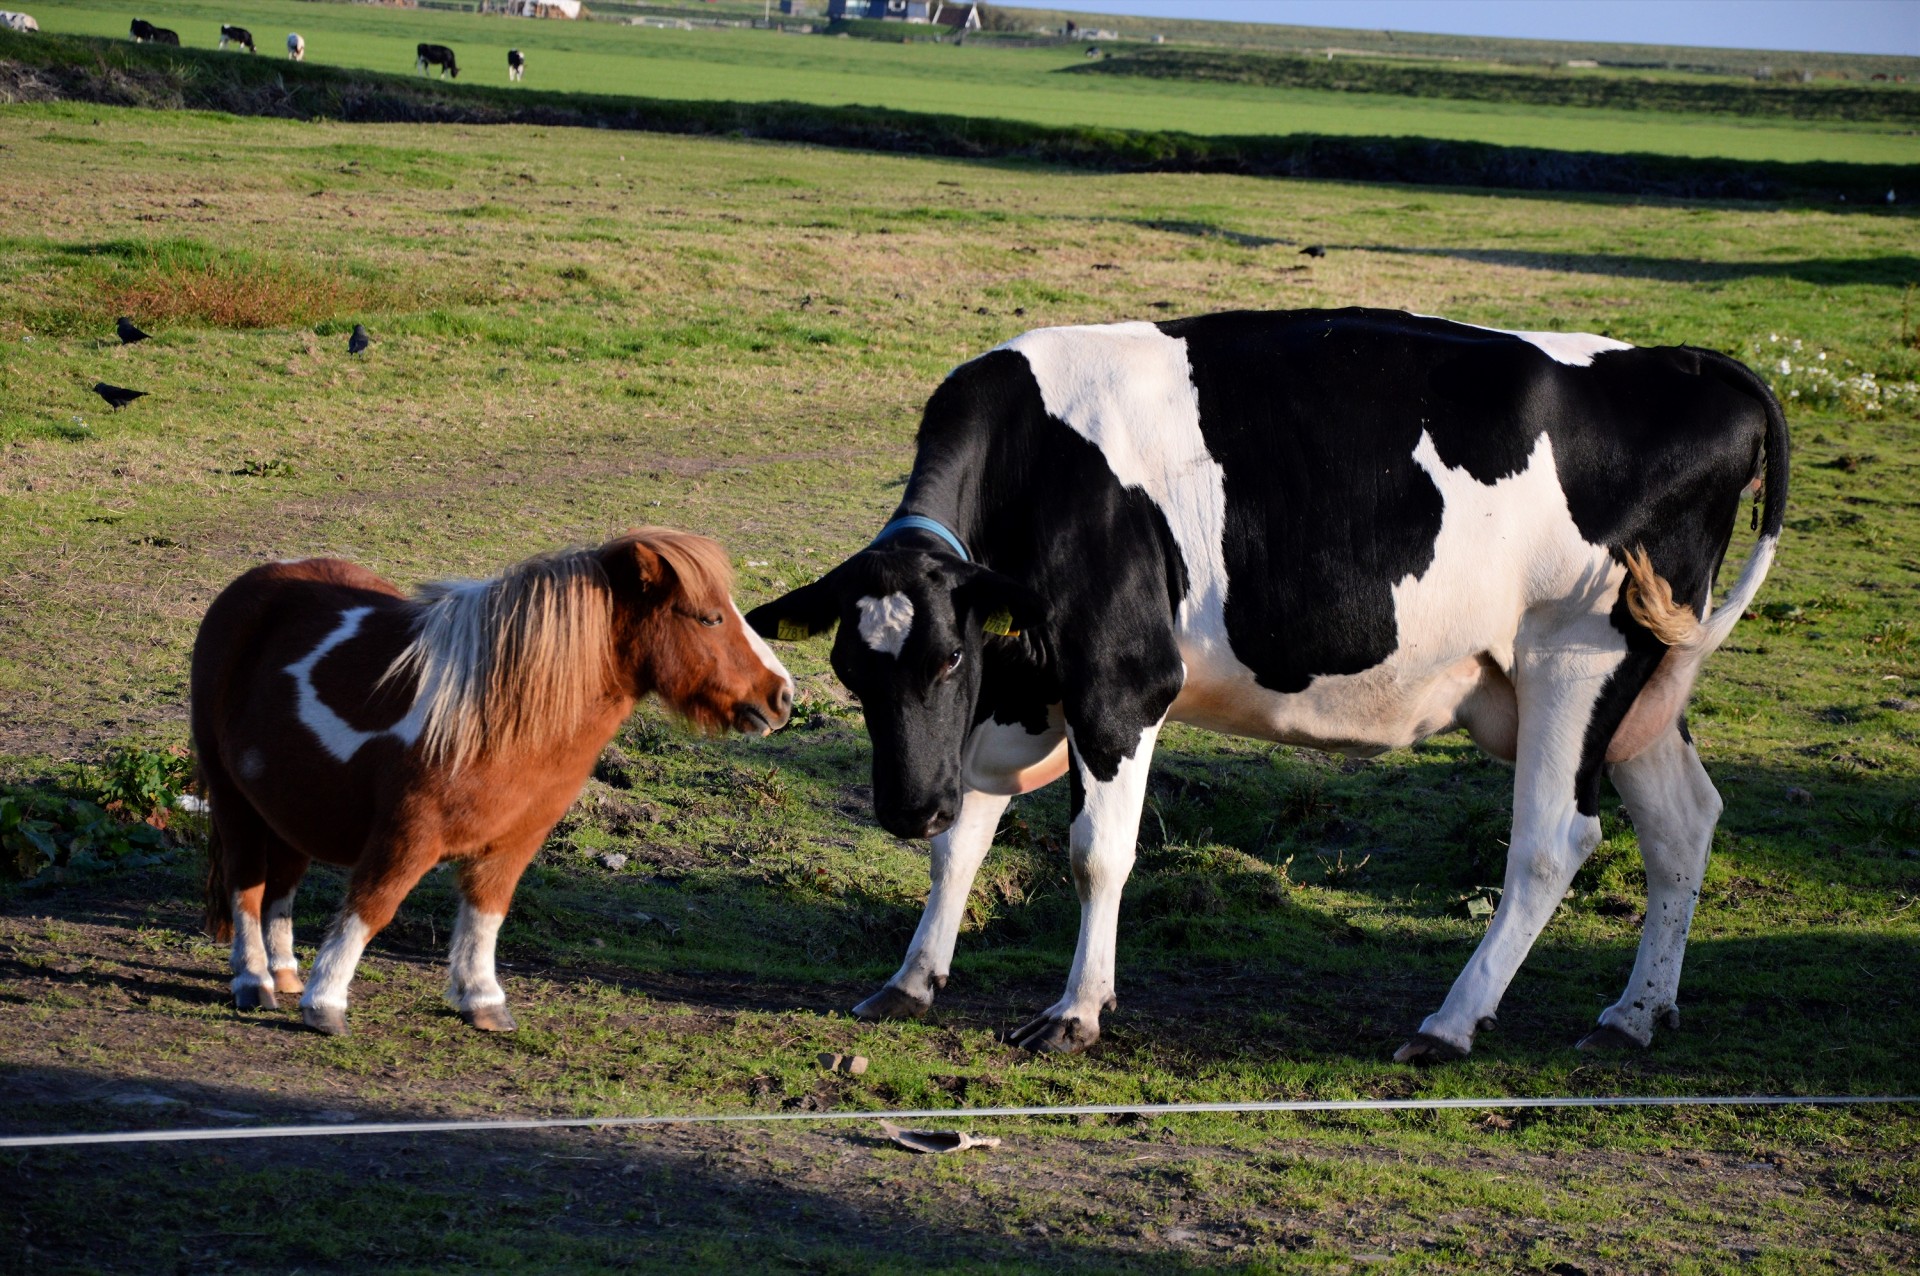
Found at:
[541, 8]
[961, 17]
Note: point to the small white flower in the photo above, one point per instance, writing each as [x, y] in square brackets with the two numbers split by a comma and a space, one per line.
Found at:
[1786, 368]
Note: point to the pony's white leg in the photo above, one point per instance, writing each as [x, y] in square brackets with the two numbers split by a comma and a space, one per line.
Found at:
[956, 859]
[252, 977]
[472, 986]
[280, 958]
[324, 1007]
[1103, 836]
[1551, 837]
[1675, 808]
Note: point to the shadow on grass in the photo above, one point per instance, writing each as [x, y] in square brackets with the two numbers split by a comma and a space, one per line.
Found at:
[656, 1199]
[1886, 271]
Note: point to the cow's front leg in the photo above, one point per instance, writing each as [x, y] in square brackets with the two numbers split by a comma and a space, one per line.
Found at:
[1000, 760]
[1105, 828]
[956, 859]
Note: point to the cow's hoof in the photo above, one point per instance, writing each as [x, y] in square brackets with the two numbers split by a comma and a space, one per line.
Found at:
[254, 997]
[1055, 1034]
[288, 980]
[490, 1018]
[893, 1003]
[326, 1020]
[1608, 1037]
[1426, 1048]
[1670, 1018]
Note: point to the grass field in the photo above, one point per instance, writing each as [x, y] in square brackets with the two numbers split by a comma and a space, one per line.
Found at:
[972, 80]
[579, 331]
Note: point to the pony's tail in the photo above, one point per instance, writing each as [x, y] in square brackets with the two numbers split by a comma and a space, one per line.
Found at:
[219, 913]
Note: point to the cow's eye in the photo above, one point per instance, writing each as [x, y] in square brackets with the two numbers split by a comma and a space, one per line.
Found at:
[953, 661]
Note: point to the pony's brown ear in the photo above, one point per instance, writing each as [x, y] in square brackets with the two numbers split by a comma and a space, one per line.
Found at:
[637, 566]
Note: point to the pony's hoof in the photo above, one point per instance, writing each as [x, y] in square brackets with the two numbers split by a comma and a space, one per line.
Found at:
[289, 982]
[1608, 1037]
[1426, 1048]
[325, 1020]
[892, 1003]
[254, 997]
[490, 1018]
[1052, 1034]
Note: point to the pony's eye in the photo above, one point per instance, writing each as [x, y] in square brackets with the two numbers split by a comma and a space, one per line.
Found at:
[710, 619]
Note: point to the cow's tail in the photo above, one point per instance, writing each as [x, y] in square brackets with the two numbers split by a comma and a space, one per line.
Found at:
[1650, 599]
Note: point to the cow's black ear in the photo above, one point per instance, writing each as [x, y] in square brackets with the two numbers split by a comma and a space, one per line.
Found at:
[808, 611]
[1001, 605]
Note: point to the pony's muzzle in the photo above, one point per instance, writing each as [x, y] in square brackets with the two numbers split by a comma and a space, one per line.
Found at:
[766, 717]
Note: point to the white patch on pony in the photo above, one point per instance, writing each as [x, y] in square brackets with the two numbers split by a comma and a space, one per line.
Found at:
[335, 736]
[249, 958]
[886, 622]
[252, 764]
[280, 934]
[336, 961]
[760, 648]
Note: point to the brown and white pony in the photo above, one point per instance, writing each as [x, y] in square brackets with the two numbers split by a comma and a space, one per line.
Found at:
[337, 720]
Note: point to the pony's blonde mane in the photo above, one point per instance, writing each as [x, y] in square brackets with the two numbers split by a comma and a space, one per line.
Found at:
[520, 660]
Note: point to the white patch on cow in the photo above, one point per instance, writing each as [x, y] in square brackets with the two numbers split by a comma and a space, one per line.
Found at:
[760, 649]
[333, 732]
[334, 964]
[886, 622]
[1575, 349]
[1127, 388]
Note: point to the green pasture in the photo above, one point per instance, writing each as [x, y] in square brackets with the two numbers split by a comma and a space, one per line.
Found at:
[973, 79]
[579, 331]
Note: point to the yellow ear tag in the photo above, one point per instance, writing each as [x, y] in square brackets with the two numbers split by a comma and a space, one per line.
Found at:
[792, 631]
[1001, 624]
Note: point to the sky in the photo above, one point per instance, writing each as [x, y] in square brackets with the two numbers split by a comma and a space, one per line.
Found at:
[1826, 26]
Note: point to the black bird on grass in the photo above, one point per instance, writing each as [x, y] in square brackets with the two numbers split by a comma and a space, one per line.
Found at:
[1313, 250]
[117, 396]
[359, 340]
[128, 333]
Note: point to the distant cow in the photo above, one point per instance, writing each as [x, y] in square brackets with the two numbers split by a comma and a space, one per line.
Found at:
[437, 55]
[296, 48]
[239, 35]
[18, 21]
[516, 64]
[145, 32]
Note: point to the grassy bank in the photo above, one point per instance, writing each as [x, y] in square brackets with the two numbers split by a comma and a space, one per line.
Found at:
[1855, 104]
[42, 68]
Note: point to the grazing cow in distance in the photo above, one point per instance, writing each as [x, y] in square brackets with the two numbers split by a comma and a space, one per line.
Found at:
[22, 22]
[436, 55]
[516, 64]
[145, 32]
[296, 48]
[239, 35]
[1343, 529]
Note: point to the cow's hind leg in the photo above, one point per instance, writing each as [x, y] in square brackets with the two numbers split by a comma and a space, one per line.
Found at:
[486, 891]
[1105, 829]
[390, 867]
[1552, 836]
[956, 859]
[1674, 807]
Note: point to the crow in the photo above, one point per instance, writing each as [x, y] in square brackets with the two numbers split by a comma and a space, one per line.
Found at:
[1313, 250]
[359, 340]
[128, 333]
[117, 396]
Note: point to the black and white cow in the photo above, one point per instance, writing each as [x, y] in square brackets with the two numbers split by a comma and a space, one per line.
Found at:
[145, 32]
[296, 47]
[1346, 529]
[238, 35]
[436, 55]
[516, 64]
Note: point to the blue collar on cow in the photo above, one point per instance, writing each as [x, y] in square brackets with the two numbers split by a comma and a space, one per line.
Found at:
[921, 523]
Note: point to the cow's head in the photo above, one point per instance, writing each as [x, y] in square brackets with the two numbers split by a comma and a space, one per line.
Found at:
[916, 633]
